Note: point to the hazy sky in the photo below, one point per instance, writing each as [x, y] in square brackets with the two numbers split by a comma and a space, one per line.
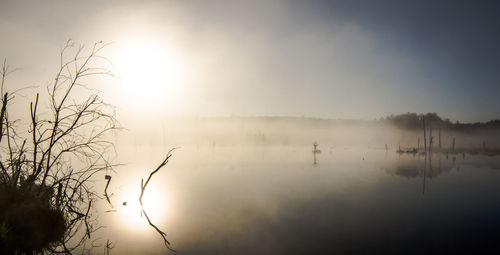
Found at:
[329, 59]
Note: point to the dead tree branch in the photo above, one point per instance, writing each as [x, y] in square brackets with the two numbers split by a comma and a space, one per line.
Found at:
[143, 188]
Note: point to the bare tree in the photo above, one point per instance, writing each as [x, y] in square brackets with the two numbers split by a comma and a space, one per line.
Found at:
[46, 194]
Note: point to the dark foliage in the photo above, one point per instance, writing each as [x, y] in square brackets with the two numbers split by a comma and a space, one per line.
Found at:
[28, 220]
[413, 121]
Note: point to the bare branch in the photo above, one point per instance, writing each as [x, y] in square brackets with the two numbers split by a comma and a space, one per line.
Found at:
[64, 146]
[143, 188]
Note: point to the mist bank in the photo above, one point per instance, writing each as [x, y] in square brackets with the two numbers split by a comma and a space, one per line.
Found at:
[445, 133]
[394, 130]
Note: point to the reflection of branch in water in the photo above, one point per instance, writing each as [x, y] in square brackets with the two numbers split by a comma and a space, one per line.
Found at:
[107, 177]
[108, 247]
[430, 166]
[425, 169]
[143, 211]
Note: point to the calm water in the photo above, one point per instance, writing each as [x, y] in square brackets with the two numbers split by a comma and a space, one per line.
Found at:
[276, 201]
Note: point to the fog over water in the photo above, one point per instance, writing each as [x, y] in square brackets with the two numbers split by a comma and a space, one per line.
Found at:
[262, 201]
[243, 131]
[225, 195]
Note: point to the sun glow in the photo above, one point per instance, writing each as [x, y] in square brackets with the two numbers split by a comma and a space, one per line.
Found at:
[149, 72]
[155, 204]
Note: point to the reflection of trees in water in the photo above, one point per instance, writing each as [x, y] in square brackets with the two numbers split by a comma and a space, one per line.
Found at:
[435, 164]
[419, 166]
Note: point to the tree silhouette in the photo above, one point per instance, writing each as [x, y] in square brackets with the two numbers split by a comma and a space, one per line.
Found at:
[47, 161]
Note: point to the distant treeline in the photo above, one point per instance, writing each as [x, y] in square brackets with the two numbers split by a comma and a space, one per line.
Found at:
[413, 121]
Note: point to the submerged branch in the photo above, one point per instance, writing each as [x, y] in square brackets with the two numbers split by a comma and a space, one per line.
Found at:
[143, 211]
[108, 178]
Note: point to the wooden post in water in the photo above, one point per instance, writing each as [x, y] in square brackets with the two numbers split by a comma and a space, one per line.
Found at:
[315, 151]
[425, 137]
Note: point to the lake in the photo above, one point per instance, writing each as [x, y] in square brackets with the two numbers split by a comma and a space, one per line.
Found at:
[235, 200]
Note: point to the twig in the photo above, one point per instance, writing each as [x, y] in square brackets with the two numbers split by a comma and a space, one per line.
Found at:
[108, 247]
[88, 230]
[143, 211]
[107, 177]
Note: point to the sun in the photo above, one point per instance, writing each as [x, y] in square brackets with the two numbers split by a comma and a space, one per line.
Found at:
[155, 204]
[148, 71]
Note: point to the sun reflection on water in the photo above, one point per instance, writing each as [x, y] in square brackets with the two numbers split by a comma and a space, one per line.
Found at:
[155, 202]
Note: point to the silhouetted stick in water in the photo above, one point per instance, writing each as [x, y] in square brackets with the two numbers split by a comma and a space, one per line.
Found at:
[108, 247]
[425, 169]
[425, 136]
[439, 137]
[143, 188]
[108, 178]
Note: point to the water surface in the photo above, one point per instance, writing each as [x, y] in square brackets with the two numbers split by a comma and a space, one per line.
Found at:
[353, 201]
